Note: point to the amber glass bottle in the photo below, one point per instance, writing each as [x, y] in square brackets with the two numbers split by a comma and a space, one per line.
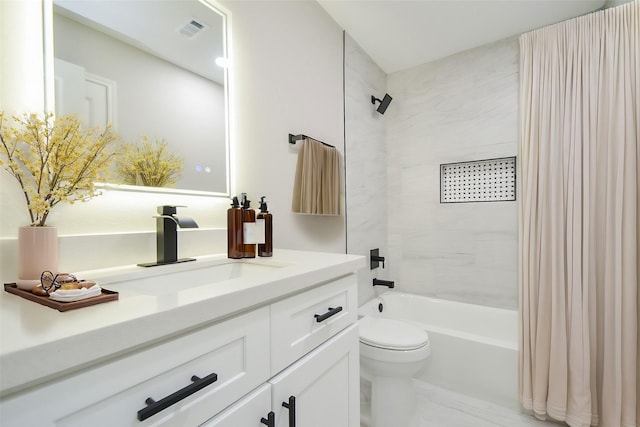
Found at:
[235, 245]
[266, 248]
[248, 215]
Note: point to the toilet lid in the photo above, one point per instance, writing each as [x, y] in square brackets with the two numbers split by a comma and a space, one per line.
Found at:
[391, 334]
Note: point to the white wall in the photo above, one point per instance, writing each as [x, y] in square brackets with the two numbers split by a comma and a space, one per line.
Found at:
[457, 109]
[21, 79]
[288, 65]
[366, 153]
[287, 79]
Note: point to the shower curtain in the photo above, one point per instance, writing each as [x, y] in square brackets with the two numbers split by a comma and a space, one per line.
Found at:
[580, 219]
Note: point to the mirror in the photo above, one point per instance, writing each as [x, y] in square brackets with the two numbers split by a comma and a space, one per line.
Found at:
[156, 71]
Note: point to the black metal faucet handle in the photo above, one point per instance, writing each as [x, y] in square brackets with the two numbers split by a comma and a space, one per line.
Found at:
[375, 258]
[169, 209]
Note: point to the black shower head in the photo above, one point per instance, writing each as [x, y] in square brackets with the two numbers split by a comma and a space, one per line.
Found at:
[384, 103]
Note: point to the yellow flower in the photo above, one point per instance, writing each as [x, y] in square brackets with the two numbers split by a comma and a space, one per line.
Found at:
[149, 163]
[54, 160]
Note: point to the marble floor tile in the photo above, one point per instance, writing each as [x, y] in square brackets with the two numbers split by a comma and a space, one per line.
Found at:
[438, 407]
[443, 408]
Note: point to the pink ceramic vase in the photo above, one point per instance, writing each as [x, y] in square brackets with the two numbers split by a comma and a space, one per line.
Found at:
[37, 252]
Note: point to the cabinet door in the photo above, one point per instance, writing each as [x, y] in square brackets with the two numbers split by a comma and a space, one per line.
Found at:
[247, 412]
[324, 383]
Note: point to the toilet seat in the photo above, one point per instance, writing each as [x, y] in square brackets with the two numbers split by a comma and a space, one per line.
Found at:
[391, 334]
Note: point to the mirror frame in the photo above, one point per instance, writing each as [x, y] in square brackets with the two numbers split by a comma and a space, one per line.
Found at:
[49, 100]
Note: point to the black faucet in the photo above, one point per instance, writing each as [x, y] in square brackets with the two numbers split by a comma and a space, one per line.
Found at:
[375, 259]
[167, 236]
[388, 283]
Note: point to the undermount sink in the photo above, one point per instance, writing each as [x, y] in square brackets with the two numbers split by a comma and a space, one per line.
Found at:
[168, 279]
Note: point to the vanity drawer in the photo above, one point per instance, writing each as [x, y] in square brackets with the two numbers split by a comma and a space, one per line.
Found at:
[112, 394]
[304, 321]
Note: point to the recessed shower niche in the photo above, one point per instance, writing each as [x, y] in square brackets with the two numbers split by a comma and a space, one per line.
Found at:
[490, 180]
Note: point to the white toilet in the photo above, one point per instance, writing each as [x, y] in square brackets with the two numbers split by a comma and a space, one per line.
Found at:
[391, 352]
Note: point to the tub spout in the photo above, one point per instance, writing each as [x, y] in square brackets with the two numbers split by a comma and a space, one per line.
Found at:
[388, 283]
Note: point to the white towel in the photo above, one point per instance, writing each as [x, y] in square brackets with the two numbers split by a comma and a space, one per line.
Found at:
[75, 294]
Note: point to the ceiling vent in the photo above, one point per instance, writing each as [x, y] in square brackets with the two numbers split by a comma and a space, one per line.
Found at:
[191, 29]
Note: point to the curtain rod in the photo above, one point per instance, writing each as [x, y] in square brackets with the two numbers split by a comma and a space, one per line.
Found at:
[294, 138]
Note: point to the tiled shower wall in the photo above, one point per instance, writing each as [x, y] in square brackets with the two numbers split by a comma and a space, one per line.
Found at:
[461, 108]
[365, 156]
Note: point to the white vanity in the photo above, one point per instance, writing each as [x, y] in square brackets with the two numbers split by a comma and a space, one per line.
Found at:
[216, 342]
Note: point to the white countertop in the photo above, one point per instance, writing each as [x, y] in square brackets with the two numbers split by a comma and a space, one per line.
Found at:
[38, 343]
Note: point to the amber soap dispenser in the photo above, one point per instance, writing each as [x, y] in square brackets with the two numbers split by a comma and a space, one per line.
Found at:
[248, 217]
[266, 248]
[235, 238]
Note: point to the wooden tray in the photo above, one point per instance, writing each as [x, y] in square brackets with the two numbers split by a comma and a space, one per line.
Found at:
[106, 296]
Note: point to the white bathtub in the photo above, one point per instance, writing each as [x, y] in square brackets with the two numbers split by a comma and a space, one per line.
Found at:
[474, 348]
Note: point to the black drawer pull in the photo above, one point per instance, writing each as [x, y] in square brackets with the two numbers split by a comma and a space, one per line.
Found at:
[331, 312]
[154, 407]
[291, 406]
[270, 421]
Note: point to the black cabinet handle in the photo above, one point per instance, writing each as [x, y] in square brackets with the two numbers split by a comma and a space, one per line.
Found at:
[331, 312]
[270, 421]
[291, 406]
[154, 407]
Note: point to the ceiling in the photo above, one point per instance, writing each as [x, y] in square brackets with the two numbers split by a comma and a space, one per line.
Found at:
[401, 34]
[162, 28]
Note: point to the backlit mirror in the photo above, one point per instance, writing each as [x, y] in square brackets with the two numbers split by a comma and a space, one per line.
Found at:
[155, 70]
